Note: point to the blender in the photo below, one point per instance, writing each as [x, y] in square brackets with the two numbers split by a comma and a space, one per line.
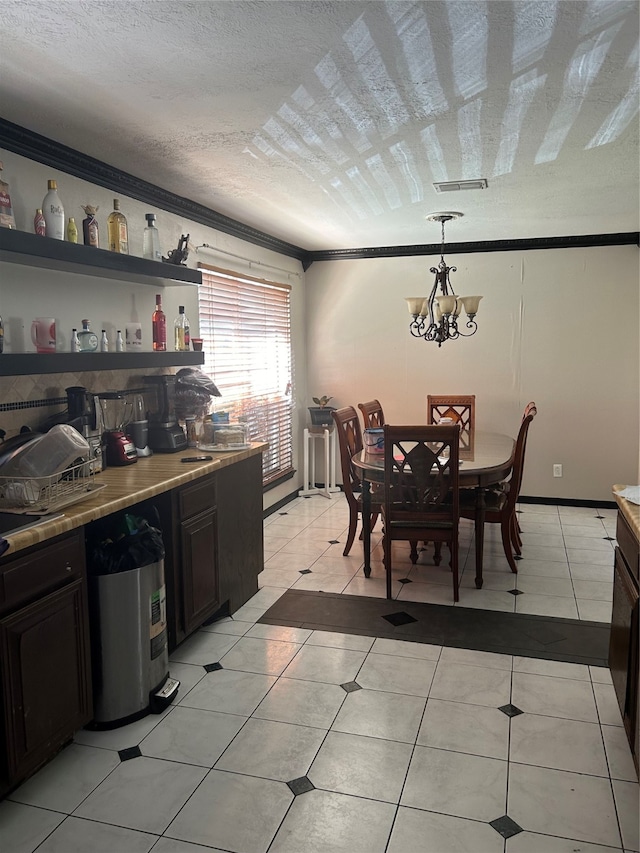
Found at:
[116, 411]
[165, 433]
[138, 427]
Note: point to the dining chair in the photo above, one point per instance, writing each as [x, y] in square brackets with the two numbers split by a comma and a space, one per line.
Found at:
[500, 504]
[421, 490]
[372, 414]
[461, 408]
[350, 443]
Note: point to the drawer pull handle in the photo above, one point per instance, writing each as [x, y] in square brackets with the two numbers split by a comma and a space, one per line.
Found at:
[68, 567]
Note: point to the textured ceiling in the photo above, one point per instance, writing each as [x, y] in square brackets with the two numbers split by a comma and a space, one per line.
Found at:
[325, 124]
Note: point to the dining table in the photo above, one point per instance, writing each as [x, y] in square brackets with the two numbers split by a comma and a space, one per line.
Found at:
[486, 459]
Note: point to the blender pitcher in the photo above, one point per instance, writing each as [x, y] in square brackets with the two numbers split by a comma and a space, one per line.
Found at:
[116, 409]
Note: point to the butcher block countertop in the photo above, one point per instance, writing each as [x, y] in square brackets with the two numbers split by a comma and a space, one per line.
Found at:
[128, 485]
[630, 511]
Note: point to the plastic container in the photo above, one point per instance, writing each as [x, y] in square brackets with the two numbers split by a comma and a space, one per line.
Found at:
[48, 454]
[374, 440]
[224, 436]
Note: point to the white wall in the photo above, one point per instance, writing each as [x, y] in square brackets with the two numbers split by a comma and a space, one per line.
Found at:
[26, 292]
[560, 327]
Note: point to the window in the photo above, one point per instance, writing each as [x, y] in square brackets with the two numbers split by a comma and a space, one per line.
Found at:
[245, 324]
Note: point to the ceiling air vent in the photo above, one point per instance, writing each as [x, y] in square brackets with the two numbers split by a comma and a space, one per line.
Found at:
[454, 186]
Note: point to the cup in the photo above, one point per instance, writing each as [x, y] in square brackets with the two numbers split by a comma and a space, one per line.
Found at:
[374, 440]
[43, 334]
[197, 344]
[133, 337]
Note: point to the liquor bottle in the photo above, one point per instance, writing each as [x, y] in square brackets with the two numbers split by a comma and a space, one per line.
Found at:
[90, 226]
[53, 212]
[159, 324]
[151, 239]
[88, 339]
[181, 332]
[104, 342]
[119, 341]
[75, 342]
[39, 225]
[117, 230]
[72, 230]
[7, 219]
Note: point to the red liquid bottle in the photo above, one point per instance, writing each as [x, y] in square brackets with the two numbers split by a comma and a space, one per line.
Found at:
[159, 323]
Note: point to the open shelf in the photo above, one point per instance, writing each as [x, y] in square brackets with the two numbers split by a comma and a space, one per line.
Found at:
[24, 364]
[20, 247]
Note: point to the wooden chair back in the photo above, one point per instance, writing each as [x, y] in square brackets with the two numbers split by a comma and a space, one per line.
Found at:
[462, 408]
[421, 479]
[518, 456]
[350, 443]
[372, 414]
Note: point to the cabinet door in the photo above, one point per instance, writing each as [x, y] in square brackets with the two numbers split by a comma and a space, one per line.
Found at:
[46, 691]
[199, 547]
[621, 650]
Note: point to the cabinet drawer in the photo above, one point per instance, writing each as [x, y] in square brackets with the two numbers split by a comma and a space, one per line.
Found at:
[628, 544]
[46, 568]
[196, 498]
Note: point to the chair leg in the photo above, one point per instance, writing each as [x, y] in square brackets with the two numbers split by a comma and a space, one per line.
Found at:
[386, 543]
[516, 541]
[414, 552]
[454, 570]
[437, 553]
[505, 529]
[353, 526]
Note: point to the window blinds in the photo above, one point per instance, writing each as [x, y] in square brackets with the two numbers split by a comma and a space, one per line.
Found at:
[245, 325]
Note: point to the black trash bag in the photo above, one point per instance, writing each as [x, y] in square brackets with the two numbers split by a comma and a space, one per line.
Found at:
[132, 542]
[194, 390]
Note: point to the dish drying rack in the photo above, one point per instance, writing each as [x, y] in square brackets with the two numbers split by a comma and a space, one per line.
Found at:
[38, 495]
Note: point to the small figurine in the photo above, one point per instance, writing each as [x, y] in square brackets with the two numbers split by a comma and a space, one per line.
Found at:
[179, 256]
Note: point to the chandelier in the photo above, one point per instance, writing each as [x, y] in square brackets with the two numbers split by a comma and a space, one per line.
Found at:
[436, 317]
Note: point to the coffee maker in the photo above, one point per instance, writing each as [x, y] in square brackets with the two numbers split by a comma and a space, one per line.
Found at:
[84, 415]
[165, 433]
[116, 411]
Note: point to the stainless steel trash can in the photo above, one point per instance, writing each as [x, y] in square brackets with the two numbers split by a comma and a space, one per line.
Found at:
[129, 645]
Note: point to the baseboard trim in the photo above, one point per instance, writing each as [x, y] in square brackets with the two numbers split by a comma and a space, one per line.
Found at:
[523, 499]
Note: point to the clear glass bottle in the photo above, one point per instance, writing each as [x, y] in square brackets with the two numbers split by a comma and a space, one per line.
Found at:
[117, 230]
[104, 342]
[72, 230]
[88, 339]
[53, 212]
[159, 325]
[75, 342]
[151, 239]
[181, 331]
[119, 341]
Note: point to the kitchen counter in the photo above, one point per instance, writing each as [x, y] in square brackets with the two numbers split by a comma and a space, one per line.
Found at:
[629, 510]
[129, 485]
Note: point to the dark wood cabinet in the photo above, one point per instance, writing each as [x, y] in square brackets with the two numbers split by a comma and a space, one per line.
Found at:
[191, 565]
[241, 548]
[45, 676]
[625, 632]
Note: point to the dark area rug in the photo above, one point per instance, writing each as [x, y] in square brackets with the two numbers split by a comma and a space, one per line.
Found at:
[569, 640]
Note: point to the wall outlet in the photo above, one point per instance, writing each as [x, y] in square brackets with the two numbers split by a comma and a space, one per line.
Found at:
[557, 470]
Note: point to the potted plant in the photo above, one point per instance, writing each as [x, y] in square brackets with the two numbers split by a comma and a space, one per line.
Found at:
[321, 412]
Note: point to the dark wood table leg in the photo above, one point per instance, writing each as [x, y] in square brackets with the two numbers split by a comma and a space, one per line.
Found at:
[366, 526]
[479, 529]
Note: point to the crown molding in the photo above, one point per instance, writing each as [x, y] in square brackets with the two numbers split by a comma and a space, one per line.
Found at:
[570, 242]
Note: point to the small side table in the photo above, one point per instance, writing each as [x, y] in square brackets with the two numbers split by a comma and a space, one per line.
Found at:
[326, 434]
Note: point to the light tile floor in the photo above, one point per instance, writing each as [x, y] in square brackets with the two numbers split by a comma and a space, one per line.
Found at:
[315, 742]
